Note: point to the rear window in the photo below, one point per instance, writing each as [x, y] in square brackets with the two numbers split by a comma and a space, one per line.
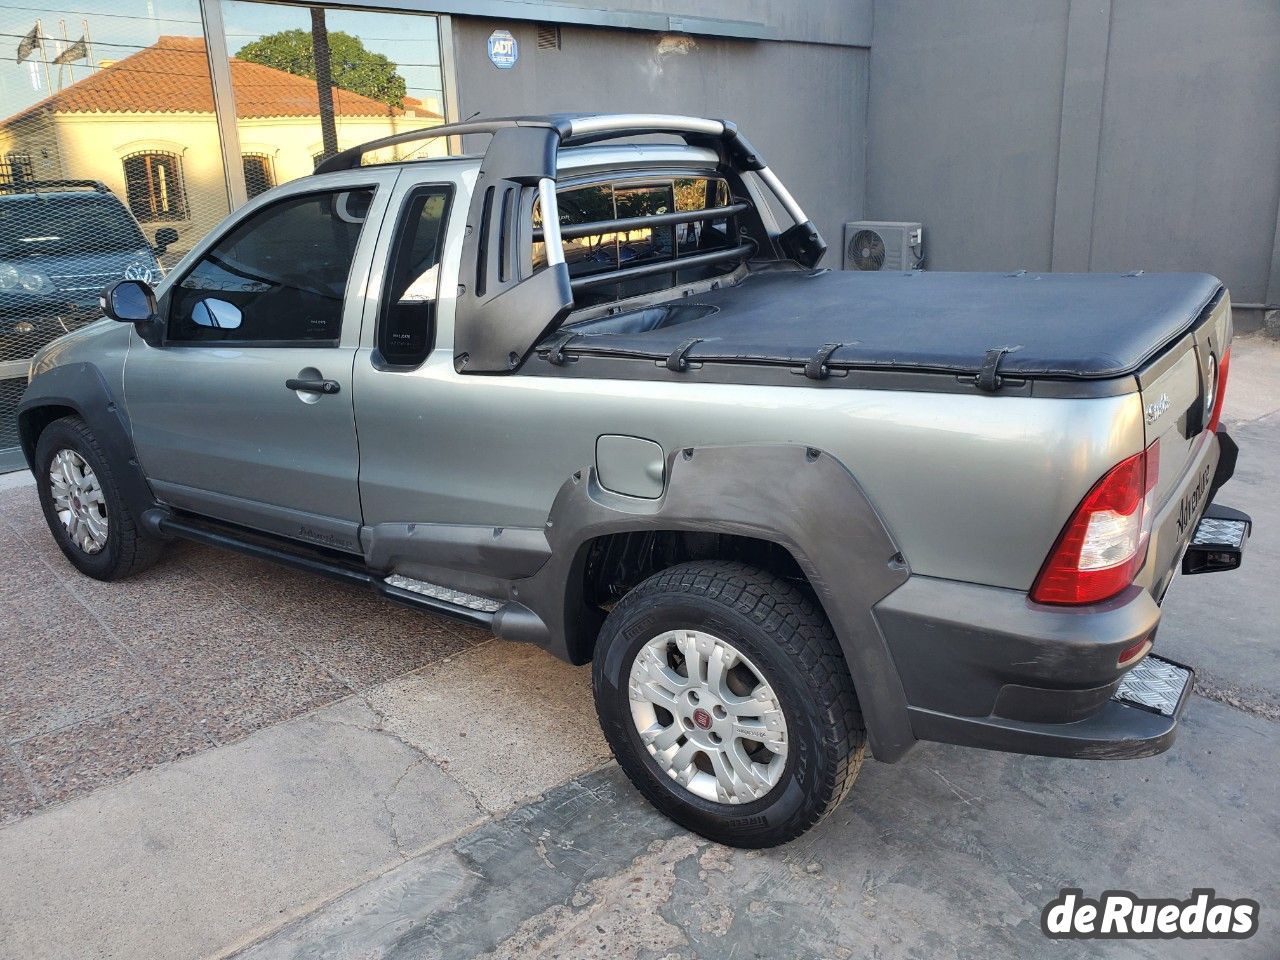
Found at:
[603, 252]
[41, 225]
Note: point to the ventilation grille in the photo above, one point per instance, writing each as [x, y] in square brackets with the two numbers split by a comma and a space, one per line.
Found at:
[548, 36]
[883, 245]
[10, 393]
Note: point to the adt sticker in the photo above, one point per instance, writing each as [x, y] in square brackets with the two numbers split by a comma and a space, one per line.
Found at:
[503, 49]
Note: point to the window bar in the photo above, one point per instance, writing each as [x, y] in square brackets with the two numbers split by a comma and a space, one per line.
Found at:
[224, 101]
[740, 252]
[639, 223]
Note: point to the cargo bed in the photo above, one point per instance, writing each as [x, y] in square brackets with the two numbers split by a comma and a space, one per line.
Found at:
[1052, 326]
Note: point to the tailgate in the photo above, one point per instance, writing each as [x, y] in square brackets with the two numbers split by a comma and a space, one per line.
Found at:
[1177, 392]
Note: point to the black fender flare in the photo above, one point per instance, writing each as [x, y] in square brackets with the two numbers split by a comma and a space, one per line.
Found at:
[803, 499]
[81, 387]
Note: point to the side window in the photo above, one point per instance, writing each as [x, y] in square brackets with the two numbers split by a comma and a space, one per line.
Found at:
[407, 327]
[603, 252]
[279, 277]
[259, 177]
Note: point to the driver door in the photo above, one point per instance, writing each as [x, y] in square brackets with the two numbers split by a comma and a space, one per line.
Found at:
[244, 411]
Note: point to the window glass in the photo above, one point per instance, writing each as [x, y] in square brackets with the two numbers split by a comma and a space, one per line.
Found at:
[153, 184]
[89, 89]
[278, 277]
[600, 253]
[384, 77]
[408, 315]
[645, 244]
[258, 175]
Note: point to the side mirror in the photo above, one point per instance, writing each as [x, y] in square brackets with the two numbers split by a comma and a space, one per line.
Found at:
[129, 301]
[164, 237]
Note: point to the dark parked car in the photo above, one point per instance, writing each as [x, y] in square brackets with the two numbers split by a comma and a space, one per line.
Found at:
[61, 242]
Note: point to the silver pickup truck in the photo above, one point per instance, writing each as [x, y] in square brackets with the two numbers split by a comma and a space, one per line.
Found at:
[595, 396]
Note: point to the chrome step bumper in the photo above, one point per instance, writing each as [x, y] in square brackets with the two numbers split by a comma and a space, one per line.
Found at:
[1156, 684]
[444, 594]
[1218, 541]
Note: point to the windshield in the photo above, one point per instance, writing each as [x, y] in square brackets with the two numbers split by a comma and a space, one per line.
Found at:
[61, 226]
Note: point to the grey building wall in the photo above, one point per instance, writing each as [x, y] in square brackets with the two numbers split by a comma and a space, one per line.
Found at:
[1082, 134]
[802, 104]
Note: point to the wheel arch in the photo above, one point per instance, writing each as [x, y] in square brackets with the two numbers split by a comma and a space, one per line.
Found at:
[789, 500]
[80, 389]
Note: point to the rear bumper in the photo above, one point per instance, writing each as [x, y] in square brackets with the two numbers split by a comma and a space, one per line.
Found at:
[984, 666]
[1118, 731]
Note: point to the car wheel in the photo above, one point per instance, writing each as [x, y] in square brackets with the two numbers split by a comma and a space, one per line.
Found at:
[725, 698]
[83, 507]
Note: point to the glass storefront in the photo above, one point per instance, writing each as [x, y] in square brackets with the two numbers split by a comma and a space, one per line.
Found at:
[122, 143]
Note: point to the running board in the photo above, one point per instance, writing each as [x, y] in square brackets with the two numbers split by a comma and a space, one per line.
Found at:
[436, 592]
[479, 611]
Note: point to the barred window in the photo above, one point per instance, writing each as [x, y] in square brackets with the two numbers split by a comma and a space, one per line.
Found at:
[154, 186]
[259, 176]
[15, 170]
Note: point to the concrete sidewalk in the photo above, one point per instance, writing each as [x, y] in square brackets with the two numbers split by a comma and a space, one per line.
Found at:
[227, 758]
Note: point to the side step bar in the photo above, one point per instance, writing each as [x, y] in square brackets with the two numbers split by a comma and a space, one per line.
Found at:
[468, 608]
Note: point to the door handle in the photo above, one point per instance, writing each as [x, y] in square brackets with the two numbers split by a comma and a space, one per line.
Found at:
[327, 387]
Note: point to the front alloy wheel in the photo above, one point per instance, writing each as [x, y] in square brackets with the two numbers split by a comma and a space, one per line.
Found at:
[91, 522]
[78, 500]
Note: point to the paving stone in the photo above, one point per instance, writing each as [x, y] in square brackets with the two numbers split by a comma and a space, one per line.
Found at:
[100, 680]
[16, 797]
[60, 685]
[104, 750]
[352, 633]
[508, 720]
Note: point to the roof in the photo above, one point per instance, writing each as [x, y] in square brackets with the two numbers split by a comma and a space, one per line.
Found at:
[172, 76]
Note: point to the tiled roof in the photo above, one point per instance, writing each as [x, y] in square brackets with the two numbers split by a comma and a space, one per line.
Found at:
[172, 76]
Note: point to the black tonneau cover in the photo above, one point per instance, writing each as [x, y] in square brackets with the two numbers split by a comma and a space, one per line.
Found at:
[1053, 325]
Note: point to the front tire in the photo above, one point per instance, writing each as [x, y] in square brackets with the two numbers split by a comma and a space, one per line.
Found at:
[724, 696]
[82, 505]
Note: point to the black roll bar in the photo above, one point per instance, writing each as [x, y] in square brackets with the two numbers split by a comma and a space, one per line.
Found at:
[577, 230]
[742, 251]
[501, 312]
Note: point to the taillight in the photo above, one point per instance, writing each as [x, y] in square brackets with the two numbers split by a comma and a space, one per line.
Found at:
[1104, 544]
[1216, 416]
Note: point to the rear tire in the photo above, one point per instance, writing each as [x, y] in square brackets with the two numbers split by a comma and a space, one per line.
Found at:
[660, 660]
[82, 505]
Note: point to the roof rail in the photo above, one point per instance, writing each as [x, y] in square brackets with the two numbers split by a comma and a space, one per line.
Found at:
[573, 129]
[802, 242]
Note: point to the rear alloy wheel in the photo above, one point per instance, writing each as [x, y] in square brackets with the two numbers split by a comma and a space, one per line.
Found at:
[707, 716]
[725, 698]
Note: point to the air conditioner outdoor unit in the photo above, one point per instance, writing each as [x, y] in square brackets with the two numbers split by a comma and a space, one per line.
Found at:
[882, 245]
